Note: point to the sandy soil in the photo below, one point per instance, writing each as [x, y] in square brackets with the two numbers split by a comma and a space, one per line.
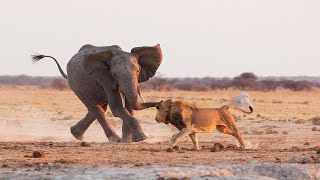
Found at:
[278, 135]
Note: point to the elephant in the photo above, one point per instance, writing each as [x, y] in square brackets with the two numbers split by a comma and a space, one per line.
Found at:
[101, 76]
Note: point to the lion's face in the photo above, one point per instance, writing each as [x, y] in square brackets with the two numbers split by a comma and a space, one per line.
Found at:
[163, 110]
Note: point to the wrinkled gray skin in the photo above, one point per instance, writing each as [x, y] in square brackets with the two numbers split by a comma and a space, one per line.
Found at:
[97, 75]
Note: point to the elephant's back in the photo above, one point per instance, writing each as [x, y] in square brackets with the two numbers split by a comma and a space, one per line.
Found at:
[81, 82]
[76, 61]
[88, 48]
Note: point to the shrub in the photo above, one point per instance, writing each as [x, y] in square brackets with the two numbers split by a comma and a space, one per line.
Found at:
[59, 84]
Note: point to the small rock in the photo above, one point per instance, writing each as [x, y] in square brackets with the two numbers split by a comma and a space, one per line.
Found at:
[245, 132]
[68, 117]
[271, 131]
[318, 151]
[244, 115]
[307, 160]
[306, 102]
[28, 164]
[295, 148]
[300, 121]
[285, 133]
[176, 147]
[214, 149]
[278, 160]
[256, 132]
[314, 129]
[306, 144]
[170, 150]
[84, 144]
[259, 116]
[315, 159]
[38, 154]
[292, 159]
[217, 147]
[315, 120]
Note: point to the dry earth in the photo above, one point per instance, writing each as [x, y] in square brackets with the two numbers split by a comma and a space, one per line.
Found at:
[282, 140]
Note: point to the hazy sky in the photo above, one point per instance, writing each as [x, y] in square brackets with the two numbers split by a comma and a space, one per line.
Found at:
[198, 38]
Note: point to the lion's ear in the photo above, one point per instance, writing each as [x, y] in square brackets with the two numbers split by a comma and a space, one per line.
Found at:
[166, 104]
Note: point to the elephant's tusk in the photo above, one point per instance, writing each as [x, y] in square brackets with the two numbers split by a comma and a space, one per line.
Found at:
[123, 100]
[140, 95]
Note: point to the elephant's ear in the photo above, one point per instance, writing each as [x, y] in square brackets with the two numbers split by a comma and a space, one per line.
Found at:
[96, 62]
[149, 60]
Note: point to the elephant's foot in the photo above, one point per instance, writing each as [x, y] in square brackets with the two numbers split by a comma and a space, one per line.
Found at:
[138, 137]
[114, 139]
[126, 140]
[76, 133]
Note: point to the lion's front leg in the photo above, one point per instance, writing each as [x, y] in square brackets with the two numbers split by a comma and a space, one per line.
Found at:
[174, 141]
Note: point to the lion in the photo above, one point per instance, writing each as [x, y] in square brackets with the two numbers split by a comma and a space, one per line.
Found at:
[191, 120]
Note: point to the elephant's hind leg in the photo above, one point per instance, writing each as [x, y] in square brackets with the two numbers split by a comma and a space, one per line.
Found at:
[80, 128]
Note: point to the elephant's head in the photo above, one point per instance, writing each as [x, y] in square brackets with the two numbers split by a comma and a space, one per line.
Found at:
[127, 69]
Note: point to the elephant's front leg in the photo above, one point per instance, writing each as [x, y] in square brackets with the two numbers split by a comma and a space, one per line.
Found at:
[126, 130]
[131, 123]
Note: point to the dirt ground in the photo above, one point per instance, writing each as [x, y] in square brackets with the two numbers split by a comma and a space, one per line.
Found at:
[280, 132]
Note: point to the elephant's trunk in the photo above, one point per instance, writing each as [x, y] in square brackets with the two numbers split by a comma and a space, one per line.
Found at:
[131, 92]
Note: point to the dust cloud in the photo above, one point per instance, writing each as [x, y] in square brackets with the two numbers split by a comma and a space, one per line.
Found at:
[59, 131]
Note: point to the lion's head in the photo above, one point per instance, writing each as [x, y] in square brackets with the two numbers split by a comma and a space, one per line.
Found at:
[163, 111]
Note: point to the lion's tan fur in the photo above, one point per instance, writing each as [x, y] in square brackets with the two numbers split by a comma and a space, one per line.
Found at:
[197, 120]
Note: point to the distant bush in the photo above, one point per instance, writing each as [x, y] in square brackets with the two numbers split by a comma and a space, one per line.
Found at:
[247, 76]
[60, 84]
[245, 81]
[296, 85]
[43, 82]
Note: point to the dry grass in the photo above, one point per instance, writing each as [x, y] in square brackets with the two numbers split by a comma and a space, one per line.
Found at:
[46, 115]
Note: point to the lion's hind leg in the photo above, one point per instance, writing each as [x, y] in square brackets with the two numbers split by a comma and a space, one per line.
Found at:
[224, 129]
[194, 139]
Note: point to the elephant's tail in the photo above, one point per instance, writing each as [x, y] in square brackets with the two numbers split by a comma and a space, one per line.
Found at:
[36, 58]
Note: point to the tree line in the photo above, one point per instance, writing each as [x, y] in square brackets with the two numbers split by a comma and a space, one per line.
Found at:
[245, 81]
